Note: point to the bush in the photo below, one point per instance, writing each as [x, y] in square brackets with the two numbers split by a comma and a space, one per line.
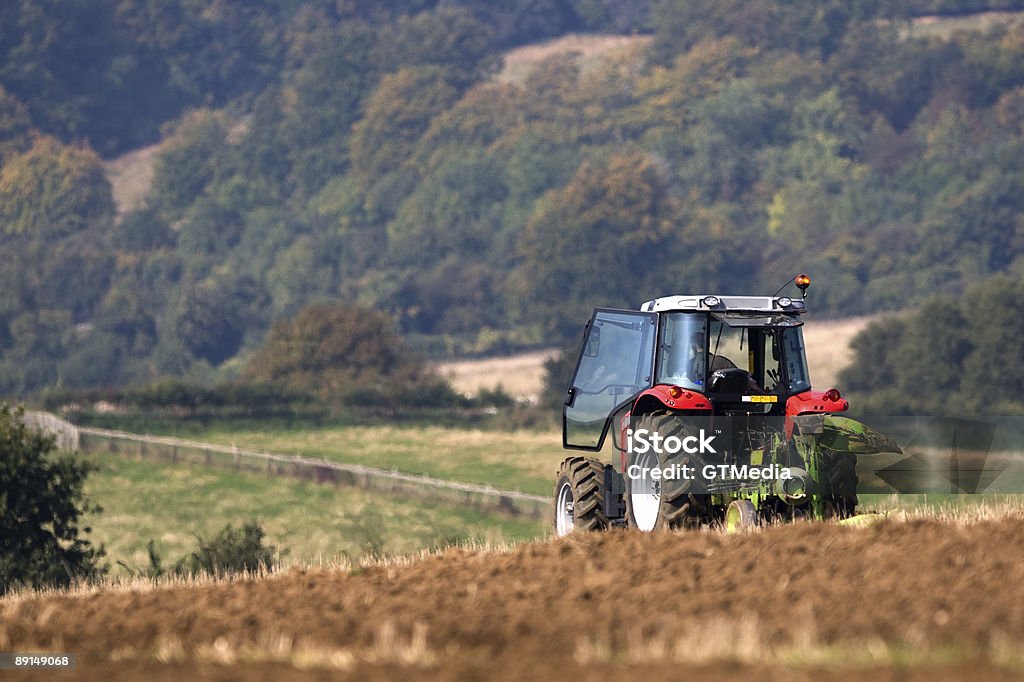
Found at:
[231, 551]
[41, 504]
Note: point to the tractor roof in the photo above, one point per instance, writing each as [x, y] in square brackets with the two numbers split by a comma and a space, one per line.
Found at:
[722, 304]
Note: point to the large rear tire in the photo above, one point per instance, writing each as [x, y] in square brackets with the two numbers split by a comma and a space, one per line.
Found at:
[837, 473]
[665, 504]
[579, 496]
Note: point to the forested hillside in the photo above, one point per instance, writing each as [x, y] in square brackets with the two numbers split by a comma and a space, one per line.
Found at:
[326, 150]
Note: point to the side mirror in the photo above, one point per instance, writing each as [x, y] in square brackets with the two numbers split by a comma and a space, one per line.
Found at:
[593, 345]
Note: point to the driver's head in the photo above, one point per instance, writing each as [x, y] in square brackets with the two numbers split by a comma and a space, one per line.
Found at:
[697, 340]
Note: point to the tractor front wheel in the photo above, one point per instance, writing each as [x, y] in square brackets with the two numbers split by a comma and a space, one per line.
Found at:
[740, 516]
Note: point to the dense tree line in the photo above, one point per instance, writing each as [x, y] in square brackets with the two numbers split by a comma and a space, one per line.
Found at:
[953, 356]
[354, 151]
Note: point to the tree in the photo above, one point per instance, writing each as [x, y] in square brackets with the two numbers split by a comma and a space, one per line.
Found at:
[397, 114]
[454, 210]
[14, 125]
[213, 315]
[188, 161]
[993, 373]
[448, 38]
[957, 356]
[41, 507]
[53, 190]
[597, 241]
[326, 97]
[332, 349]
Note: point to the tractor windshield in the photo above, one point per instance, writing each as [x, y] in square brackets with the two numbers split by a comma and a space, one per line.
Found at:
[769, 350]
[772, 356]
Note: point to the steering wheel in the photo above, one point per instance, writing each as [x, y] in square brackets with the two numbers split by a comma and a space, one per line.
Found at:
[732, 380]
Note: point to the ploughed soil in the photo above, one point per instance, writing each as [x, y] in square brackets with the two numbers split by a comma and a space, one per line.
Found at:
[913, 600]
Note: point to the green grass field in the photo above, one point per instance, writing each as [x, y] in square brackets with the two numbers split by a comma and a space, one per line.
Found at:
[172, 504]
[524, 460]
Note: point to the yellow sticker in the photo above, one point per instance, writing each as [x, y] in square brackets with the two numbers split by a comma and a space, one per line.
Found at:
[760, 398]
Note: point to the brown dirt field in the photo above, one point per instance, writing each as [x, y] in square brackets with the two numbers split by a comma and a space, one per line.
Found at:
[900, 600]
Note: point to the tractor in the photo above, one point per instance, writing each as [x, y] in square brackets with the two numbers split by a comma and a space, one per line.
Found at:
[713, 417]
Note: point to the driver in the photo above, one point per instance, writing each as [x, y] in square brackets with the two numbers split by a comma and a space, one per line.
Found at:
[696, 361]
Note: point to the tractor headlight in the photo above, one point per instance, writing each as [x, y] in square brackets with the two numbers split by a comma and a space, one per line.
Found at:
[785, 302]
[711, 301]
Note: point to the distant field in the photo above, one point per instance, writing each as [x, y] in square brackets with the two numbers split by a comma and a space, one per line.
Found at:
[517, 460]
[521, 376]
[171, 504]
[591, 47]
[944, 27]
[131, 176]
[828, 347]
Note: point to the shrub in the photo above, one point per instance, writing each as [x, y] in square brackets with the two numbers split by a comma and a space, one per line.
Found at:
[231, 551]
[41, 504]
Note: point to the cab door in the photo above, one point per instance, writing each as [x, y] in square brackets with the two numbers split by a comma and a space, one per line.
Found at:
[615, 364]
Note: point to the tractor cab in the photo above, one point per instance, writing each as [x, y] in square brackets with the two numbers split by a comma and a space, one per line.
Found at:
[711, 355]
[742, 361]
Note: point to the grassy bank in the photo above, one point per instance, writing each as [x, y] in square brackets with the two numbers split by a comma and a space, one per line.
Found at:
[172, 504]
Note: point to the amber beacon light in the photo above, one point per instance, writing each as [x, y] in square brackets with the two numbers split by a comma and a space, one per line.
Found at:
[802, 282]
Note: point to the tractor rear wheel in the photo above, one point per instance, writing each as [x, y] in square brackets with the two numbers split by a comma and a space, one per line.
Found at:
[579, 496]
[838, 478]
[668, 503]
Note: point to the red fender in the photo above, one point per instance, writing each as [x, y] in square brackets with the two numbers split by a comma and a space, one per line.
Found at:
[813, 402]
[683, 399]
[671, 397]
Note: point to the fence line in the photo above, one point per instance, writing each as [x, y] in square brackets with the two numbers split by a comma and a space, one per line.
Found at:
[64, 431]
[482, 497]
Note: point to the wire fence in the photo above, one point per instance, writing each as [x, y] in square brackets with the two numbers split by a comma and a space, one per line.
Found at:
[184, 452]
